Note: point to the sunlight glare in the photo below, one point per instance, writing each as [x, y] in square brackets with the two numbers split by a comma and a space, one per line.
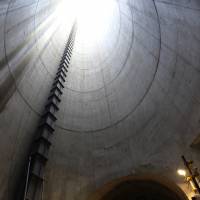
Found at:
[92, 15]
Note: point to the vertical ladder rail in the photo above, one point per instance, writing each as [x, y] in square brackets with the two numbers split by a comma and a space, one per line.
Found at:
[27, 177]
[41, 145]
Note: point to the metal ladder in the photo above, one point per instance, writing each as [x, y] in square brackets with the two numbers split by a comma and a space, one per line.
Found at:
[42, 143]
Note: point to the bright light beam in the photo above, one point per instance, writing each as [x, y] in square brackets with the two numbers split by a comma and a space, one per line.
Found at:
[92, 15]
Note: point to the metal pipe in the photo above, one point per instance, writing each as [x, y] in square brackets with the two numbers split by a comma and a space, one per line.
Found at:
[187, 165]
[27, 177]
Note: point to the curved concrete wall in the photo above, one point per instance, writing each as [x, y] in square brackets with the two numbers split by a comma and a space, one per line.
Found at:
[131, 101]
[31, 47]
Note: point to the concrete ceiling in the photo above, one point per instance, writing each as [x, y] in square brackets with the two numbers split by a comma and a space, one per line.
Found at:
[130, 103]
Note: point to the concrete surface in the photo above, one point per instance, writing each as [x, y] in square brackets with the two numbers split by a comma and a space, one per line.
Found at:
[131, 101]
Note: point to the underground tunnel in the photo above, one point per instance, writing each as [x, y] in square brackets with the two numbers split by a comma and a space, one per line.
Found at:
[105, 89]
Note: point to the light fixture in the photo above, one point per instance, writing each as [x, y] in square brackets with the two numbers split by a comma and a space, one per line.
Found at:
[181, 172]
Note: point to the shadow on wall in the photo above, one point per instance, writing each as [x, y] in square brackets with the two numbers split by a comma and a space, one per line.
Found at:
[139, 188]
